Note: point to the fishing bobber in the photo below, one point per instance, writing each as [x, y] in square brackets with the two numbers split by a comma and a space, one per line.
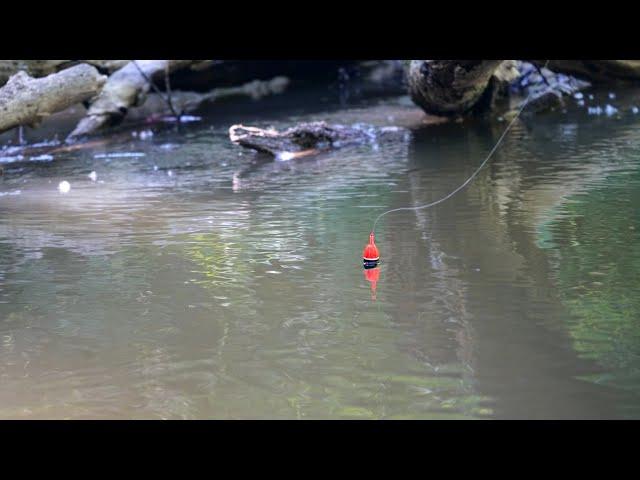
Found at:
[370, 255]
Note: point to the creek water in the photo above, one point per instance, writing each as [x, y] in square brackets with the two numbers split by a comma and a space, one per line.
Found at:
[164, 289]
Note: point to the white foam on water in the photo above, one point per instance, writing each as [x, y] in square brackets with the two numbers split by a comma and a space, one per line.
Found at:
[42, 158]
[119, 155]
[14, 192]
[610, 110]
[11, 158]
[285, 156]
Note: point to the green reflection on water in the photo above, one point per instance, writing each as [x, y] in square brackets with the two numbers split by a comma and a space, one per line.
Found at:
[310, 358]
[593, 239]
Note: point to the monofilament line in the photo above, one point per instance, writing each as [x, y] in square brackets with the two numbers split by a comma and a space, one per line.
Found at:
[473, 175]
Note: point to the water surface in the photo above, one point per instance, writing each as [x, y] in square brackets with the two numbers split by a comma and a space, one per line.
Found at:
[166, 290]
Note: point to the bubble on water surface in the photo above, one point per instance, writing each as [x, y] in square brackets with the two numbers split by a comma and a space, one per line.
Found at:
[64, 186]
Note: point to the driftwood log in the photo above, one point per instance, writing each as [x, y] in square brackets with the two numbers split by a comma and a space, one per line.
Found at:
[42, 68]
[126, 88]
[35, 68]
[25, 100]
[307, 138]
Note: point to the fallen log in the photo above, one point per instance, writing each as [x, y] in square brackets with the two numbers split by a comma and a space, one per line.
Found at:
[35, 68]
[597, 71]
[126, 88]
[307, 138]
[25, 100]
[108, 66]
[186, 102]
[42, 68]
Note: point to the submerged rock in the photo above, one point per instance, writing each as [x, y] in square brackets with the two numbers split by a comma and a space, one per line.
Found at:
[547, 100]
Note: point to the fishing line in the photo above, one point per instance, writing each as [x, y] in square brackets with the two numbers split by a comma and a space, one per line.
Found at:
[473, 175]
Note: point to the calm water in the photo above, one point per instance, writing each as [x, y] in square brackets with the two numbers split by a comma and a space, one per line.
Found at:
[164, 290]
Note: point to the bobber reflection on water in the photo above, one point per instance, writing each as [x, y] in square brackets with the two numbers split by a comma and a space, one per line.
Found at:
[370, 255]
[372, 275]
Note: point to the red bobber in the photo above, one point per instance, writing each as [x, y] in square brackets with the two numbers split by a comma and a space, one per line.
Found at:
[370, 255]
